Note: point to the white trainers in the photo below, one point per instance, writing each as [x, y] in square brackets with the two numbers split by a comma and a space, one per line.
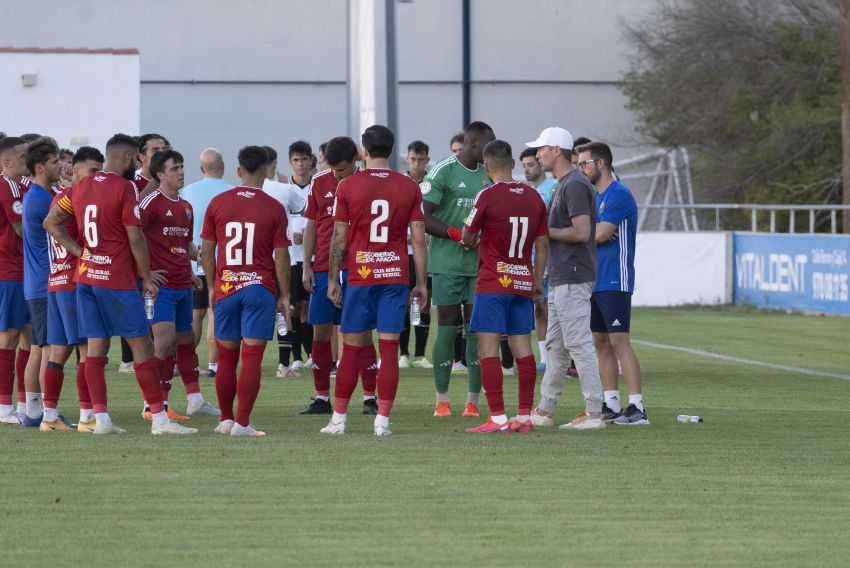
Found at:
[309, 363]
[170, 427]
[458, 367]
[382, 430]
[404, 362]
[224, 427]
[508, 372]
[126, 368]
[334, 428]
[11, 418]
[583, 421]
[421, 363]
[108, 428]
[297, 365]
[540, 419]
[249, 430]
[203, 409]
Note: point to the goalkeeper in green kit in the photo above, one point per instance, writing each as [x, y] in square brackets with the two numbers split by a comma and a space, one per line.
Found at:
[448, 192]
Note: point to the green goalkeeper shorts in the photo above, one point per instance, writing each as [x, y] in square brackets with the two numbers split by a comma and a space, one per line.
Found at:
[452, 289]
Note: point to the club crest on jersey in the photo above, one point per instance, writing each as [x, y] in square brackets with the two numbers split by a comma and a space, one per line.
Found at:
[17, 207]
[364, 271]
[425, 187]
[505, 281]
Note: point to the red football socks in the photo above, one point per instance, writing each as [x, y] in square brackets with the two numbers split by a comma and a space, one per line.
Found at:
[7, 375]
[82, 387]
[346, 377]
[187, 364]
[96, 381]
[20, 367]
[322, 363]
[225, 380]
[387, 375]
[369, 369]
[54, 376]
[527, 371]
[149, 377]
[491, 380]
[248, 385]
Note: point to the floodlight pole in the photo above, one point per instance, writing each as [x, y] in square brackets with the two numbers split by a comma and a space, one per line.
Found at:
[844, 30]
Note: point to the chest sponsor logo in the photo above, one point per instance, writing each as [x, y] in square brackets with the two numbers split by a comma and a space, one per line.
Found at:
[513, 269]
[465, 201]
[175, 232]
[178, 250]
[367, 257]
[95, 258]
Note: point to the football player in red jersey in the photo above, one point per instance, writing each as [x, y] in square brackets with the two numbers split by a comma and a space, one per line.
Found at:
[63, 330]
[13, 310]
[168, 221]
[114, 252]
[249, 270]
[373, 210]
[341, 152]
[510, 217]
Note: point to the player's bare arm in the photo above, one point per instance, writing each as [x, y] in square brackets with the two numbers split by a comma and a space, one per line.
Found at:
[208, 263]
[578, 233]
[282, 270]
[337, 254]
[54, 224]
[605, 232]
[139, 248]
[18, 229]
[420, 261]
[434, 226]
[193, 255]
[308, 278]
[541, 256]
[468, 237]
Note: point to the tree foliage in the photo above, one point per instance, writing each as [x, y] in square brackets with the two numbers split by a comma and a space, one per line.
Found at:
[753, 85]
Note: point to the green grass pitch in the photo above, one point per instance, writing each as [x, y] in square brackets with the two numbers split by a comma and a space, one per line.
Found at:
[765, 480]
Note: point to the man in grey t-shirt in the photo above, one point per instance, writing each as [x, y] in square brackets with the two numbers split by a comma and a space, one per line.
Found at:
[572, 275]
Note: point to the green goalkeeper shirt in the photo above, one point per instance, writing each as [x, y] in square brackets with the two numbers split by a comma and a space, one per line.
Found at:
[453, 188]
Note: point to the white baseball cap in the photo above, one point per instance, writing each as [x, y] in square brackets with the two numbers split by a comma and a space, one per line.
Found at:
[553, 136]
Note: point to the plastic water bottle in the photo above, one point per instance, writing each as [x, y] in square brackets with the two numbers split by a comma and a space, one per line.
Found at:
[688, 418]
[415, 315]
[149, 305]
[281, 324]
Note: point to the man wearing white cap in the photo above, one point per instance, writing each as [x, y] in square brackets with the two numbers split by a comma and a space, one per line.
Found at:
[572, 275]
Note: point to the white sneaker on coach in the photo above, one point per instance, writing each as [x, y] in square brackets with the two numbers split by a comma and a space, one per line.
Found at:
[540, 419]
[224, 427]
[583, 421]
[297, 365]
[404, 362]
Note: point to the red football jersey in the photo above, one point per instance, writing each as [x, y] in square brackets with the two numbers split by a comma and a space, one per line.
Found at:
[104, 204]
[63, 264]
[320, 208]
[378, 205]
[11, 245]
[168, 229]
[248, 224]
[510, 216]
[141, 181]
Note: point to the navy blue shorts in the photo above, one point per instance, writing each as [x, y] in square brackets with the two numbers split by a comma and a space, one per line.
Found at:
[248, 313]
[610, 312]
[105, 312]
[509, 314]
[62, 325]
[322, 310]
[174, 306]
[382, 307]
[13, 307]
[37, 308]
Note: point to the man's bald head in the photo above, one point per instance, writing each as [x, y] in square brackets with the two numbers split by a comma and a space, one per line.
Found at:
[212, 164]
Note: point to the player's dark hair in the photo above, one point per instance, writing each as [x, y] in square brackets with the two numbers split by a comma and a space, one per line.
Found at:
[272, 153]
[85, 153]
[340, 149]
[300, 147]
[498, 154]
[253, 158]
[418, 147]
[30, 137]
[580, 141]
[145, 138]
[160, 158]
[528, 152]
[598, 151]
[378, 141]
[476, 129]
[322, 147]
[65, 153]
[122, 140]
[40, 151]
[456, 138]
[313, 160]
[10, 142]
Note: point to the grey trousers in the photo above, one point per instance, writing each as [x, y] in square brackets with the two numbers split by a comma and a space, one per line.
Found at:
[568, 335]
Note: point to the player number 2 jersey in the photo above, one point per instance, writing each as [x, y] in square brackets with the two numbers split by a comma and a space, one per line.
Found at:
[378, 205]
[510, 216]
[247, 224]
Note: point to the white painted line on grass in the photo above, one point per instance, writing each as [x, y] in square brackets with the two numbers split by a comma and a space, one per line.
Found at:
[741, 360]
